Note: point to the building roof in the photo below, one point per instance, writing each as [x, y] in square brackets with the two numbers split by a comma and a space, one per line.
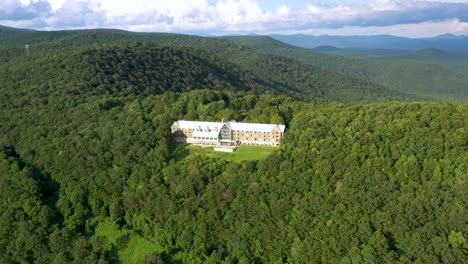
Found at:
[253, 127]
[233, 125]
[195, 124]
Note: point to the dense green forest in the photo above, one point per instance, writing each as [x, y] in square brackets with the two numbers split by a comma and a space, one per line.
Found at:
[8, 32]
[442, 77]
[456, 62]
[89, 173]
[277, 72]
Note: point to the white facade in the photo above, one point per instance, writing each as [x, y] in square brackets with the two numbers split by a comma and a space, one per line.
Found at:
[227, 133]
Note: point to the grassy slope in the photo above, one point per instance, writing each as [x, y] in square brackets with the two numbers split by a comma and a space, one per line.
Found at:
[129, 246]
[243, 153]
[416, 77]
[277, 72]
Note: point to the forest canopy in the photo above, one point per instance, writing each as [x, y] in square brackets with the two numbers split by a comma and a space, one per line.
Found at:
[89, 172]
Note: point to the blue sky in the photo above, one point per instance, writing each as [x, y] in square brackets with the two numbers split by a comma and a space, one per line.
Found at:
[273, 4]
[410, 18]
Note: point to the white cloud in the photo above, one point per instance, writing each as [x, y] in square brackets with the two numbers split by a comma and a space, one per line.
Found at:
[424, 29]
[238, 16]
[14, 10]
[77, 14]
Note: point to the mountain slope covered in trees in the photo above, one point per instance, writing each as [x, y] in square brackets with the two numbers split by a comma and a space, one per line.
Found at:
[455, 61]
[277, 73]
[419, 77]
[89, 173]
[126, 69]
[7, 32]
[447, 42]
[384, 183]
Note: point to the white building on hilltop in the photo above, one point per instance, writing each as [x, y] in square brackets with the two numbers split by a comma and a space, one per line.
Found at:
[229, 133]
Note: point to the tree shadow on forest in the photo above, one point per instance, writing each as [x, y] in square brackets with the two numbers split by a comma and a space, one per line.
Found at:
[179, 151]
[48, 188]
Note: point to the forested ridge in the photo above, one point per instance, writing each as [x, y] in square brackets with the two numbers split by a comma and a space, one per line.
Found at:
[88, 167]
[410, 74]
[127, 69]
[280, 73]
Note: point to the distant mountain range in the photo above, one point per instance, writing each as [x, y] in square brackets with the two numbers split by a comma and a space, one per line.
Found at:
[447, 42]
[431, 72]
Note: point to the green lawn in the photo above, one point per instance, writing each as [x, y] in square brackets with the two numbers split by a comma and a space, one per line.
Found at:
[242, 153]
[130, 247]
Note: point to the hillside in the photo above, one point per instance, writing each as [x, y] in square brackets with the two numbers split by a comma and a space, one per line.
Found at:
[119, 70]
[445, 42]
[9, 31]
[455, 61]
[98, 181]
[421, 78]
[361, 52]
[89, 172]
[272, 72]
